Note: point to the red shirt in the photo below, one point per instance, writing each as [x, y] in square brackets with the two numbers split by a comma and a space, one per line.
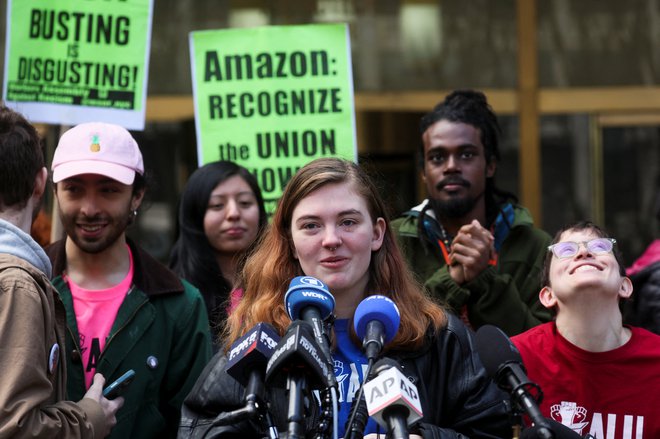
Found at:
[611, 395]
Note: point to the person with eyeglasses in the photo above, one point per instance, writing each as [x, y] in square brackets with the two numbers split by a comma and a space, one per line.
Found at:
[598, 376]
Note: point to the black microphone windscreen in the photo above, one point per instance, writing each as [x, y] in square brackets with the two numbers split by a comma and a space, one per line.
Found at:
[299, 351]
[495, 348]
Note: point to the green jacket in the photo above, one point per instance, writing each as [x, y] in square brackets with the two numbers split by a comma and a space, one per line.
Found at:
[162, 318]
[505, 295]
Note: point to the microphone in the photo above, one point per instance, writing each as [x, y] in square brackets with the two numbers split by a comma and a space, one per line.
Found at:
[503, 363]
[306, 367]
[298, 351]
[376, 322]
[249, 355]
[309, 299]
[246, 363]
[392, 399]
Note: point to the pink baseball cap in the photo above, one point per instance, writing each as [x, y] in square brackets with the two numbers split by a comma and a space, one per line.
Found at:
[97, 148]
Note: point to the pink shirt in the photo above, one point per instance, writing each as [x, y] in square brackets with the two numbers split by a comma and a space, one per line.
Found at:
[96, 311]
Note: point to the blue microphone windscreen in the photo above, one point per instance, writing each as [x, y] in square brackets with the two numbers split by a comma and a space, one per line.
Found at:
[307, 291]
[379, 308]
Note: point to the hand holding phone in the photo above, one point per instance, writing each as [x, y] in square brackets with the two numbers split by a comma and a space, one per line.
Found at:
[117, 387]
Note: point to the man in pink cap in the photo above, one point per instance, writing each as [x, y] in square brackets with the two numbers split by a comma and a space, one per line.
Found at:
[125, 310]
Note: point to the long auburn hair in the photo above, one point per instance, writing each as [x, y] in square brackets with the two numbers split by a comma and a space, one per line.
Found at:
[268, 270]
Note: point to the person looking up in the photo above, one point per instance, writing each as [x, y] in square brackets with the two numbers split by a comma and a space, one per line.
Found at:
[598, 376]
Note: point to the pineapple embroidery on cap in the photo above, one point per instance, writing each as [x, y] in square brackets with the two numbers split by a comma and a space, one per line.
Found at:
[95, 146]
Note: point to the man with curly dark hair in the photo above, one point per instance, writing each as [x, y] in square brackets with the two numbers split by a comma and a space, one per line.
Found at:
[470, 243]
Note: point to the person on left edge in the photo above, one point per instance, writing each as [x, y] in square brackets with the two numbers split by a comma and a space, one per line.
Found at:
[33, 379]
[124, 309]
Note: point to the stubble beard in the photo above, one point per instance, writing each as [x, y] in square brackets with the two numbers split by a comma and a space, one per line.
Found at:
[114, 230]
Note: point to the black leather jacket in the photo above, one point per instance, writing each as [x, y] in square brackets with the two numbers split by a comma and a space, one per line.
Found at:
[458, 399]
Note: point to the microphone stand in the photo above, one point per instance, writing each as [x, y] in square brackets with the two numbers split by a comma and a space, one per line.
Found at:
[296, 385]
[524, 385]
[304, 362]
[396, 419]
[358, 414]
[255, 407]
[516, 425]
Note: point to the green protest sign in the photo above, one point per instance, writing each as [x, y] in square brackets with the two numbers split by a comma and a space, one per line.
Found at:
[73, 61]
[273, 98]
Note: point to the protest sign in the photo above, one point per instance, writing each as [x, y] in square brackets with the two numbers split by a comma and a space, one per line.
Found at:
[273, 99]
[74, 61]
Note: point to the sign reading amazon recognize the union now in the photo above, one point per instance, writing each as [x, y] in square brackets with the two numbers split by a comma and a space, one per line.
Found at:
[273, 99]
[74, 61]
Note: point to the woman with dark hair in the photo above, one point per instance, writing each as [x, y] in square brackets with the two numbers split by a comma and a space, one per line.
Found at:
[331, 223]
[221, 214]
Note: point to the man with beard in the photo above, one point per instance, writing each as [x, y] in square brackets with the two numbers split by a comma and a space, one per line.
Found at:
[32, 388]
[125, 310]
[476, 250]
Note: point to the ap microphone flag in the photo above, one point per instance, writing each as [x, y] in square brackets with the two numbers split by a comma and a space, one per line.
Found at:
[390, 389]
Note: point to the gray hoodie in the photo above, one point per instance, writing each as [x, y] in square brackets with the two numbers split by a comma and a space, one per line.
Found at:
[16, 242]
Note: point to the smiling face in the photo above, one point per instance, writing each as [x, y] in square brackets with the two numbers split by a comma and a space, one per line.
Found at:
[231, 221]
[95, 210]
[583, 275]
[333, 237]
[455, 167]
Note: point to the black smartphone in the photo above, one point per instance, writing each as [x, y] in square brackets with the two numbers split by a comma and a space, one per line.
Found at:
[118, 386]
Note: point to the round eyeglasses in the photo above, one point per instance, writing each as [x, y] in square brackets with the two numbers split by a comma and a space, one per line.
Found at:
[568, 249]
